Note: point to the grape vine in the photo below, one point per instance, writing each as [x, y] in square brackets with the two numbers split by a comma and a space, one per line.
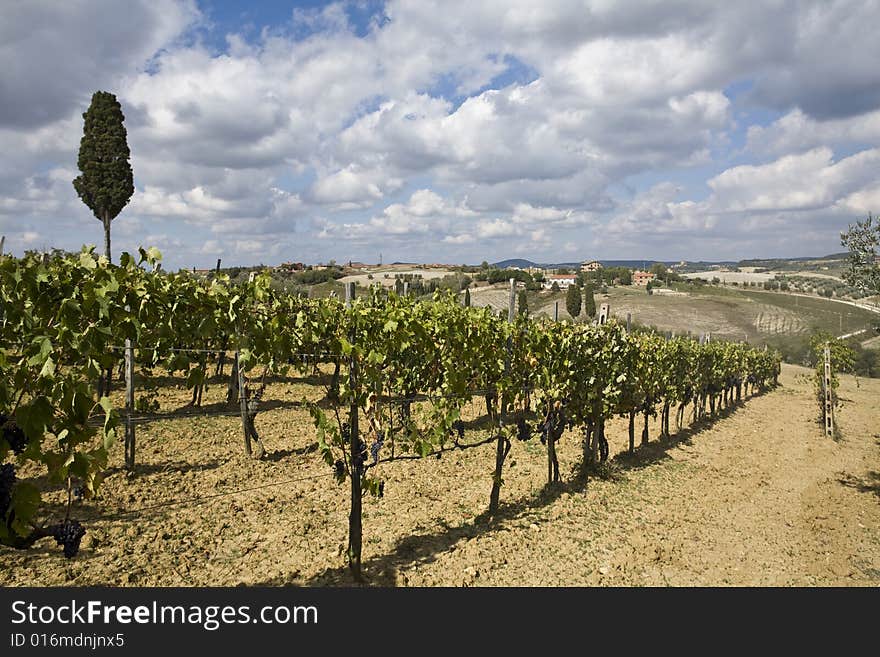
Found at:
[407, 367]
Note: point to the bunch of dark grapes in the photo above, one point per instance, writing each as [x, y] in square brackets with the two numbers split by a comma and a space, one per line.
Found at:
[381, 489]
[13, 434]
[458, 427]
[553, 425]
[523, 430]
[7, 481]
[339, 469]
[377, 446]
[69, 534]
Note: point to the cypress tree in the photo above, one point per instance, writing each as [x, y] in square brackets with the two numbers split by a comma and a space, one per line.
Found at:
[106, 182]
[467, 298]
[573, 301]
[589, 300]
[522, 303]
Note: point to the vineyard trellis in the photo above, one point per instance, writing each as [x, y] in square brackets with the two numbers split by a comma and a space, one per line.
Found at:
[832, 355]
[403, 370]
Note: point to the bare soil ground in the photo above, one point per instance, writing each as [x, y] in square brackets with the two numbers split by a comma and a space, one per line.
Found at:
[496, 296]
[732, 276]
[755, 316]
[759, 497]
[385, 276]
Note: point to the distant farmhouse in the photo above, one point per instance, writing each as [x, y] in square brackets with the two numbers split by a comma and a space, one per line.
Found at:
[591, 265]
[290, 266]
[642, 277]
[561, 280]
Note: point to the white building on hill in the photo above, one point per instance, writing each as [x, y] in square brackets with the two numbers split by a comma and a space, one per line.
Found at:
[562, 280]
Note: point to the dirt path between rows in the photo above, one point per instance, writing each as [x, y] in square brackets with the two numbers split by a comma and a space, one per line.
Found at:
[758, 497]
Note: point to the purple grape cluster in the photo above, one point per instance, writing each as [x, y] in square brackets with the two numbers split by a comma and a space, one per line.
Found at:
[69, 534]
[376, 447]
[13, 434]
[7, 481]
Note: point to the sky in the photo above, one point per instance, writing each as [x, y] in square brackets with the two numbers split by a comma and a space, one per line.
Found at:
[447, 131]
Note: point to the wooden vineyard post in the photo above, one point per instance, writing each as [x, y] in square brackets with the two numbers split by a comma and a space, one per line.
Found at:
[628, 321]
[511, 300]
[242, 402]
[826, 389]
[556, 311]
[129, 404]
[355, 524]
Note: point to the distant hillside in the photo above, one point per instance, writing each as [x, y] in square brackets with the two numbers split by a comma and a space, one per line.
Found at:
[695, 265]
[789, 263]
[515, 262]
[631, 264]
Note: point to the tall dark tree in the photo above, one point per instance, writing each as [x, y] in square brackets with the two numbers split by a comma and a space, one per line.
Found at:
[467, 298]
[589, 300]
[106, 182]
[573, 301]
[659, 270]
[522, 303]
[863, 242]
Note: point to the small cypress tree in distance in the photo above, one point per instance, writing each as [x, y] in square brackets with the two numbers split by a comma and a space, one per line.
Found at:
[589, 300]
[573, 301]
[467, 298]
[106, 182]
[522, 303]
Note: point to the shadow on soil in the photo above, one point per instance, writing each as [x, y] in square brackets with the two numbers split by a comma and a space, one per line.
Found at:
[148, 469]
[281, 454]
[215, 409]
[383, 569]
[870, 483]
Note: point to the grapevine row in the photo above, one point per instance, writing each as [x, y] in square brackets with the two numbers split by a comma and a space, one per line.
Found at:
[404, 369]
